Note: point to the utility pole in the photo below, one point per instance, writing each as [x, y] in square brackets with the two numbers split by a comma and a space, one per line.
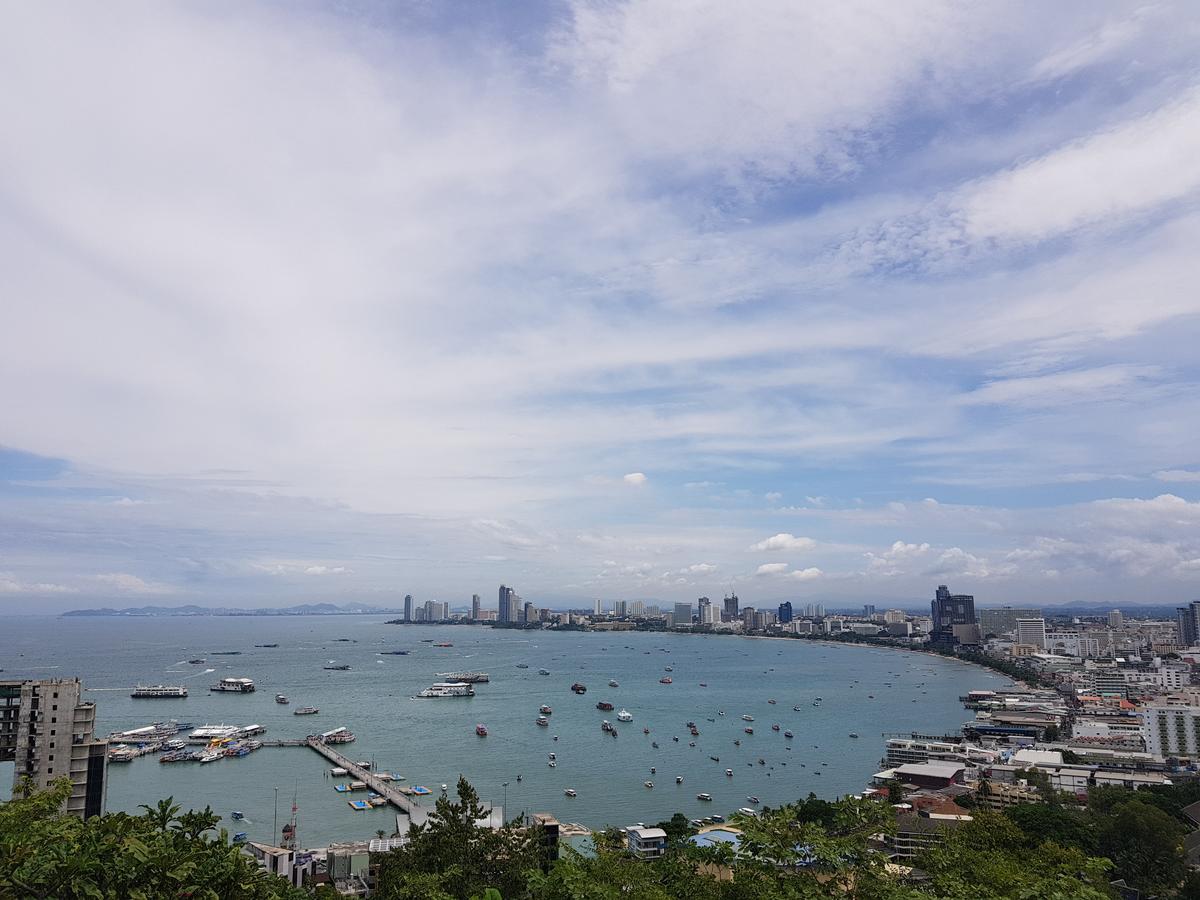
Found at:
[275, 833]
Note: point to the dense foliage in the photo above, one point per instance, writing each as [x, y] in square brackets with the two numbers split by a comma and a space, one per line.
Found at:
[162, 853]
[809, 849]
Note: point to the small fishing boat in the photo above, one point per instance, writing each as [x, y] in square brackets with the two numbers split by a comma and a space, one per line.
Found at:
[715, 758]
[481, 730]
[795, 709]
[579, 688]
[704, 684]
[679, 779]
[339, 668]
[645, 731]
[604, 705]
[519, 665]
[543, 671]
[551, 756]
[854, 734]
[281, 699]
[648, 784]
[666, 679]
[729, 772]
[613, 683]
[570, 792]
[237, 815]
[706, 797]
[552, 764]
[545, 710]
[772, 701]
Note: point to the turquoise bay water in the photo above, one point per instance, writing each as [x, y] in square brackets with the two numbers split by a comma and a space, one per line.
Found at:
[432, 741]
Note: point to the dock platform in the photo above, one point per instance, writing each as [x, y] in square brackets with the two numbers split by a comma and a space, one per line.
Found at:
[416, 814]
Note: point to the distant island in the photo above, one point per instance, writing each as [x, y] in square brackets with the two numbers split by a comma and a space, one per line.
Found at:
[307, 609]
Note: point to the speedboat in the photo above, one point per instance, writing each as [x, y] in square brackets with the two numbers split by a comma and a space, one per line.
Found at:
[788, 734]
[645, 731]
[854, 734]
[795, 709]
[545, 710]
[481, 730]
[522, 665]
[679, 779]
[552, 756]
[752, 799]
[648, 784]
[747, 718]
[237, 814]
[772, 701]
[543, 671]
[775, 727]
[706, 797]
[613, 683]
[729, 772]
[552, 764]
[570, 792]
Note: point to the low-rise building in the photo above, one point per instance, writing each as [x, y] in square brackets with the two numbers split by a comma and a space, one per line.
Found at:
[646, 843]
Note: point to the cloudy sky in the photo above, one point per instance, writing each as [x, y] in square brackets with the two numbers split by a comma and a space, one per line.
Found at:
[835, 302]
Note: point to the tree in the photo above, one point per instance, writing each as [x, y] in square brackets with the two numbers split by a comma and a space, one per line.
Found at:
[1040, 822]
[895, 791]
[162, 853]
[1145, 845]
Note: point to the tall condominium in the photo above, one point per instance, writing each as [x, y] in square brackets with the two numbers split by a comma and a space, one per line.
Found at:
[1032, 632]
[1003, 619]
[868, 611]
[703, 605]
[637, 608]
[528, 612]
[474, 607]
[48, 731]
[408, 608]
[785, 611]
[729, 611]
[1188, 620]
[683, 614]
[1116, 619]
[620, 608]
[598, 607]
[950, 610]
[506, 612]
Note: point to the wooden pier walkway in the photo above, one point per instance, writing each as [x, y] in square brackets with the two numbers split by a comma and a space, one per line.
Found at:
[386, 789]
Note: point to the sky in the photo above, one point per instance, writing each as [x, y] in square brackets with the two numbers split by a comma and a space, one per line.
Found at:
[330, 302]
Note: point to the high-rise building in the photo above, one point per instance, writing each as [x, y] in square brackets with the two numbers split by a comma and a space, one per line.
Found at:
[1116, 619]
[708, 614]
[868, 611]
[408, 608]
[1003, 619]
[785, 612]
[683, 614]
[474, 607]
[504, 612]
[950, 610]
[703, 605]
[528, 612]
[1032, 631]
[48, 731]
[1188, 620]
[620, 609]
[894, 617]
[637, 608]
[747, 615]
[814, 610]
[729, 609]
[598, 607]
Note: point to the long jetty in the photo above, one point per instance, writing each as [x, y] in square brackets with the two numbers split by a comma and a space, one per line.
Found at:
[416, 814]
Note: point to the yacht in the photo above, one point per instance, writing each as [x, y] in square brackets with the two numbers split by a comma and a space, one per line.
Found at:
[305, 711]
[706, 797]
[481, 730]
[613, 683]
[281, 699]
[624, 716]
[465, 677]
[545, 710]
[543, 721]
[747, 718]
[159, 692]
[234, 686]
[570, 792]
[448, 689]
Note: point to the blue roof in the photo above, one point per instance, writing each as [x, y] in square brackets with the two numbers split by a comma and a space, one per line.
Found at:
[717, 836]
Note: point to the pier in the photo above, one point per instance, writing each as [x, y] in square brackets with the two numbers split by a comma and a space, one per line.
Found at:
[416, 815]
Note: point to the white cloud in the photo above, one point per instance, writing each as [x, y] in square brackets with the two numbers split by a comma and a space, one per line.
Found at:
[784, 570]
[1178, 475]
[808, 574]
[772, 496]
[698, 569]
[637, 479]
[326, 570]
[124, 583]
[11, 585]
[771, 569]
[784, 541]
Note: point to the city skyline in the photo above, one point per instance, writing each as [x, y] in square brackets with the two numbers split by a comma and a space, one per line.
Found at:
[822, 306]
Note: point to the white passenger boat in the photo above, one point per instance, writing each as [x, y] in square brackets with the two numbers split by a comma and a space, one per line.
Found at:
[444, 689]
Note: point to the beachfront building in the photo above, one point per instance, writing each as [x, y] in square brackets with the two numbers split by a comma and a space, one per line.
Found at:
[47, 730]
[646, 843]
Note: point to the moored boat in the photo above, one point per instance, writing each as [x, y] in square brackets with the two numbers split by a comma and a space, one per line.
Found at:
[624, 716]
[447, 689]
[570, 792]
[545, 709]
[543, 721]
[705, 797]
[666, 679]
[282, 700]
[579, 688]
[604, 705]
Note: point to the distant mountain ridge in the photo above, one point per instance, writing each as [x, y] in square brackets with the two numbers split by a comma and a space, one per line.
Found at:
[307, 609]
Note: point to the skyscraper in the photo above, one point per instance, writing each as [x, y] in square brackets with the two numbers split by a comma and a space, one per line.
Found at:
[1116, 619]
[505, 611]
[598, 607]
[950, 610]
[47, 731]
[474, 607]
[785, 611]
[620, 609]
[637, 608]
[408, 608]
[729, 613]
[683, 614]
[703, 605]
[1032, 631]
[1188, 619]
[868, 610]
[528, 612]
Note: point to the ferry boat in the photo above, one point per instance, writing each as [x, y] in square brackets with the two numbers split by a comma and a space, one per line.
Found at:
[448, 689]
[543, 721]
[624, 716]
[234, 686]
[465, 677]
[570, 792]
[281, 699]
[174, 744]
[545, 710]
[342, 735]
[306, 711]
[705, 797]
[159, 692]
[666, 679]
[604, 705]
[481, 730]
[579, 688]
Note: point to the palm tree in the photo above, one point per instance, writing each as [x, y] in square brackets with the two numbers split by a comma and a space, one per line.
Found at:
[381, 834]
